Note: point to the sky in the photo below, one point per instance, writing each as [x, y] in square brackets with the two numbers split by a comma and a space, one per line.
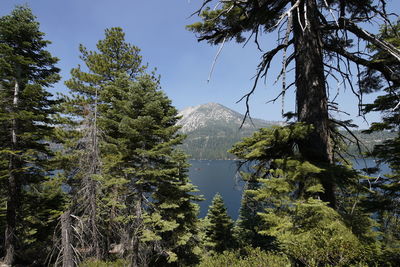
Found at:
[157, 27]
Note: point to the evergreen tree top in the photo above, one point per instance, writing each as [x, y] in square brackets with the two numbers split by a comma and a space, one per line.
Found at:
[217, 210]
[22, 47]
[115, 57]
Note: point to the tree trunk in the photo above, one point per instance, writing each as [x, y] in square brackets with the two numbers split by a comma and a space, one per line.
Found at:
[93, 184]
[312, 102]
[13, 188]
[93, 221]
[135, 239]
[90, 164]
[9, 243]
[66, 242]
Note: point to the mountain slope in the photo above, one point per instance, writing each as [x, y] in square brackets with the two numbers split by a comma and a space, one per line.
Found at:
[212, 129]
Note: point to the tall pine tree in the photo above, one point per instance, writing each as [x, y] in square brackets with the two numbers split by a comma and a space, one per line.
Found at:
[26, 70]
[315, 37]
[143, 193]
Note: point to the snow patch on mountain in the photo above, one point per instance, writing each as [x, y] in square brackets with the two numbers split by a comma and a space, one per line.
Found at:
[204, 115]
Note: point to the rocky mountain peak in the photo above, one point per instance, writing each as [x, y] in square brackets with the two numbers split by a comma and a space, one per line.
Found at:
[214, 114]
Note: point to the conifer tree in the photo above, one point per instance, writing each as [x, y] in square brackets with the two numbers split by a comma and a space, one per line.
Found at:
[145, 196]
[139, 126]
[385, 199]
[219, 226]
[81, 152]
[26, 70]
[317, 38]
[249, 223]
[175, 203]
[303, 226]
[98, 191]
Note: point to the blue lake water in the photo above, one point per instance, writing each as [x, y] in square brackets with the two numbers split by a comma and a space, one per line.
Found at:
[220, 176]
[217, 176]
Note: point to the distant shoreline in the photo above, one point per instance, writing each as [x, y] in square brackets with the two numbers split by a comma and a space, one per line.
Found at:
[214, 159]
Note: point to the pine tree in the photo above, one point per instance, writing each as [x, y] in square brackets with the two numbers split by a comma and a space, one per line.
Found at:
[248, 225]
[139, 125]
[175, 203]
[385, 200]
[145, 196]
[304, 227]
[219, 226]
[26, 70]
[315, 37]
[81, 151]
[98, 191]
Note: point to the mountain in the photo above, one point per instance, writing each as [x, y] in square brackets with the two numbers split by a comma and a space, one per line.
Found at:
[212, 129]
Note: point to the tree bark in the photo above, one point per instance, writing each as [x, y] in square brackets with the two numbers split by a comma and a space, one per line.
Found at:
[135, 239]
[90, 163]
[13, 187]
[66, 242]
[312, 102]
[93, 221]
[93, 185]
[9, 243]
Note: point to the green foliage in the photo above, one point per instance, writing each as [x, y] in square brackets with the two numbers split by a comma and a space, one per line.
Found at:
[96, 263]
[43, 205]
[304, 227]
[144, 195]
[27, 122]
[384, 202]
[291, 183]
[252, 257]
[127, 181]
[176, 204]
[219, 225]
[249, 223]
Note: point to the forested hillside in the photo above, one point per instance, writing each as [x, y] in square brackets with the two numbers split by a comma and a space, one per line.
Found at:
[210, 138]
[367, 141]
[212, 129]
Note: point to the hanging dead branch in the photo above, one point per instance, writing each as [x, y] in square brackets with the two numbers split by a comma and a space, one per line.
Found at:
[262, 71]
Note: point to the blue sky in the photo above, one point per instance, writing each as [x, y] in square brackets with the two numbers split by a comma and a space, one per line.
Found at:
[158, 28]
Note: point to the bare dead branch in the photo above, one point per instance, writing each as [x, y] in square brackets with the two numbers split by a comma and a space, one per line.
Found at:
[388, 73]
[262, 71]
[215, 59]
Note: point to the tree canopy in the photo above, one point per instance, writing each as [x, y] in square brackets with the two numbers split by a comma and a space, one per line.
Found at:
[27, 112]
[318, 39]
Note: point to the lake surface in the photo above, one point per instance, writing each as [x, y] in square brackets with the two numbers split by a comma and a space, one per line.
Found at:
[220, 176]
[217, 176]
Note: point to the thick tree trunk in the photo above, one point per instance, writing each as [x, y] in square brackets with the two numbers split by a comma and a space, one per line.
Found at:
[13, 188]
[312, 103]
[66, 242]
